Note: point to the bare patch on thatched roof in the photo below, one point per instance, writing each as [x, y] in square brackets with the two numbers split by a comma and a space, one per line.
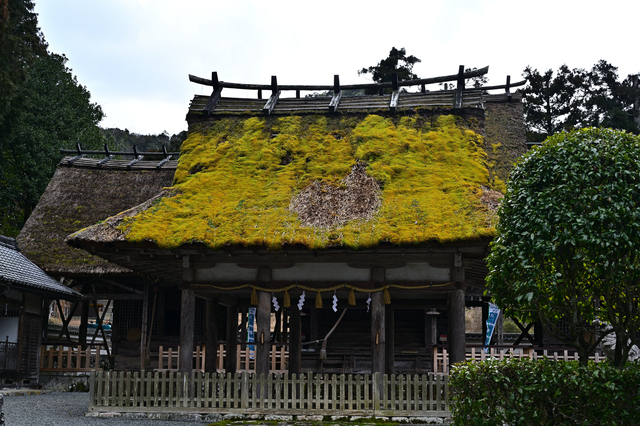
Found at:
[491, 200]
[323, 205]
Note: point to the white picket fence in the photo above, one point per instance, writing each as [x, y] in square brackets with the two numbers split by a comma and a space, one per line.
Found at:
[69, 358]
[169, 358]
[441, 356]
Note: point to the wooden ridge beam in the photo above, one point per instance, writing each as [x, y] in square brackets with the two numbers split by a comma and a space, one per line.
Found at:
[395, 97]
[316, 285]
[337, 94]
[215, 95]
[457, 103]
[113, 296]
[120, 285]
[166, 158]
[84, 152]
[136, 157]
[273, 99]
[504, 86]
[108, 154]
[320, 87]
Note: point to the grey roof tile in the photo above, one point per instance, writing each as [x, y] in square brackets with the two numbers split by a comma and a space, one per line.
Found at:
[18, 271]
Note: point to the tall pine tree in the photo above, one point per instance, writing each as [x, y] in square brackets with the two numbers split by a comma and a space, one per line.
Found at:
[42, 108]
[576, 98]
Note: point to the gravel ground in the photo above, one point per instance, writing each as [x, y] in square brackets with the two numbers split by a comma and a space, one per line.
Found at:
[64, 409]
[68, 408]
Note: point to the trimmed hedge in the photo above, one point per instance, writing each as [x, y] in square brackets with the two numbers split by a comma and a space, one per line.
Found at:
[526, 392]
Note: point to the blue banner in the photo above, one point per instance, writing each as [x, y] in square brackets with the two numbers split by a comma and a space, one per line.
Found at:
[494, 312]
[250, 326]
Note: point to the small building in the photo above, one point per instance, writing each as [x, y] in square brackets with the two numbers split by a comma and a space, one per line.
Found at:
[25, 293]
[81, 193]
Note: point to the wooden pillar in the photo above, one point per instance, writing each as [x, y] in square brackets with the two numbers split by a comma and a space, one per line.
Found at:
[389, 339]
[277, 331]
[230, 360]
[286, 326]
[377, 333]
[499, 331]
[211, 336]
[84, 318]
[143, 327]
[45, 319]
[244, 317]
[456, 338]
[430, 328]
[313, 325]
[457, 334]
[378, 329]
[187, 321]
[84, 323]
[160, 310]
[485, 317]
[263, 336]
[538, 333]
[295, 342]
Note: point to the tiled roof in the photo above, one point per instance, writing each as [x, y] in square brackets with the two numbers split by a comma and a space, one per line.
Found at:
[17, 270]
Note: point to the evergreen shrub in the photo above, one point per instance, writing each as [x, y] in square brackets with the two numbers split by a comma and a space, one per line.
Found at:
[528, 392]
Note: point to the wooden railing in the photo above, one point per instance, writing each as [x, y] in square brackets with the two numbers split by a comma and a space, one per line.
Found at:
[137, 156]
[461, 75]
[441, 357]
[169, 358]
[278, 359]
[366, 395]
[338, 88]
[69, 358]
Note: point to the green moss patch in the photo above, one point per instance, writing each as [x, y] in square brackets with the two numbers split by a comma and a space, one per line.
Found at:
[236, 179]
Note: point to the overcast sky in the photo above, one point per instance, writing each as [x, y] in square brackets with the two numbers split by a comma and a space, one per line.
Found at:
[135, 56]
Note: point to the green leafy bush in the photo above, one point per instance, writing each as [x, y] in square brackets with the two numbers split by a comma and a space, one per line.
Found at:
[526, 392]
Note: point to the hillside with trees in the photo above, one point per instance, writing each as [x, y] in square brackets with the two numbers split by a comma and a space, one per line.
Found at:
[44, 108]
[125, 140]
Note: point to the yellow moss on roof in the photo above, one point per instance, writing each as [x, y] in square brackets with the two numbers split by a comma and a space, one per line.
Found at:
[236, 178]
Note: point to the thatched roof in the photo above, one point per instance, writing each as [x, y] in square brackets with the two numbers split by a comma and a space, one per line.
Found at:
[82, 194]
[248, 181]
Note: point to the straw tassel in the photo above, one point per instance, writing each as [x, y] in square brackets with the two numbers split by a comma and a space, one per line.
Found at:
[318, 301]
[386, 297]
[287, 301]
[352, 298]
[254, 297]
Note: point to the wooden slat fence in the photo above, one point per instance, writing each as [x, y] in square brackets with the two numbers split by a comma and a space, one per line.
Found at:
[168, 358]
[305, 394]
[441, 357]
[69, 358]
